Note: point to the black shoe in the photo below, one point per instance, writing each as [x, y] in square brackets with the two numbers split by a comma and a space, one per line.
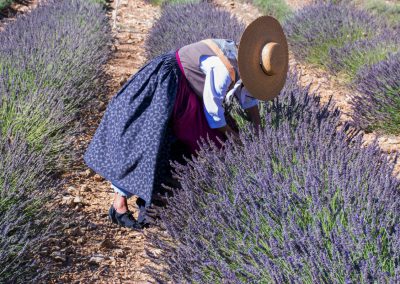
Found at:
[125, 219]
[142, 217]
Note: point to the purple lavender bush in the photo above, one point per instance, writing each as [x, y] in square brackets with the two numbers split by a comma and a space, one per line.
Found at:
[377, 106]
[50, 67]
[353, 56]
[316, 29]
[184, 24]
[58, 66]
[302, 202]
[24, 224]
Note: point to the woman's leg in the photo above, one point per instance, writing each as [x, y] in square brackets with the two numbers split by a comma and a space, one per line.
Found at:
[120, 202]
[119, 212]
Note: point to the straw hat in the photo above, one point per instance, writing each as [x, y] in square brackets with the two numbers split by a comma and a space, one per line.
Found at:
[263, 58]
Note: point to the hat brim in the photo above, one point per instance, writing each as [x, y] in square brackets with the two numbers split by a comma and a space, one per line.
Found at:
[261, 31]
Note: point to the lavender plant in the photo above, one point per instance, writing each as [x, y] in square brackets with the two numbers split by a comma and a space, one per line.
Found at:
[377, 106]
[184, 24]
[302, 202]
[24, 223]
[316, 29]
[47, 73]
[350, 58]
[50, 67]
[5, 3]
[389, 11]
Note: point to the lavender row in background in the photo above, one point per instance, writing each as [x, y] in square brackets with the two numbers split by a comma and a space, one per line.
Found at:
[50, 66]
[316, 29]
[353, 56]
[377, 108]
[184, 24]
[354, 45]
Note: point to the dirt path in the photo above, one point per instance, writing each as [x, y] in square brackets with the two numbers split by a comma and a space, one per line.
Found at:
[91, 249]
[320, 80]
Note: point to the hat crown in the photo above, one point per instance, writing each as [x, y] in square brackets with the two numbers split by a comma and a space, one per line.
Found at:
[272, 58]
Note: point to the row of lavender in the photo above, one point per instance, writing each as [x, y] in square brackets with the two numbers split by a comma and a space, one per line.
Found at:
[300, 203]
[360, 47]
[50, 66]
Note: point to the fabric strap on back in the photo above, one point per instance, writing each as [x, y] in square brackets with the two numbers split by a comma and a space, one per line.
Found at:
[214, 47]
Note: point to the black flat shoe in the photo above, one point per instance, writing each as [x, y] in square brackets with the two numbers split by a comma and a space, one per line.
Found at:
[124, 220]
[143, 219]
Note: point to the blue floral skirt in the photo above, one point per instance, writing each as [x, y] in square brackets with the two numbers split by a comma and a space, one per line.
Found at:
[131, 145]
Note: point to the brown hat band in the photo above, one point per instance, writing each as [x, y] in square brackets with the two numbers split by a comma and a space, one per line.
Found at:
[272, 58]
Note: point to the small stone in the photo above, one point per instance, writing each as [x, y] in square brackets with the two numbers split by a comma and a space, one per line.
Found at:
[106, 243]
[96, 259]
[85, 188]
[68, 200]
[120, 253]
[71, 189]
[123, 80]
[58, 256]
[88, 173]
[80, 241]
[98, 177]
[102, 215]
[77, 200]
[113, 262]
[102, 106]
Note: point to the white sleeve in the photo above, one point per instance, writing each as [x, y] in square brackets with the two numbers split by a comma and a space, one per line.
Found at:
[216, 84]
[246, 100]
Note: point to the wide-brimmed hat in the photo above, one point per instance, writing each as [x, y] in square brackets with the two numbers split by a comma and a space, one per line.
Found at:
[263, 58]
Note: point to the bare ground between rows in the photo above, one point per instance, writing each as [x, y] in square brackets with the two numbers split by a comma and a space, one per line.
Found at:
[89, 248]
[324, 83]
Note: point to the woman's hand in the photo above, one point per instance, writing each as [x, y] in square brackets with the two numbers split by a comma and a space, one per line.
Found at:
[254, 115]
[228, 131]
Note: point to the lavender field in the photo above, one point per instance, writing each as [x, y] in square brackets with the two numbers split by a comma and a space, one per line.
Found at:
[306, 200]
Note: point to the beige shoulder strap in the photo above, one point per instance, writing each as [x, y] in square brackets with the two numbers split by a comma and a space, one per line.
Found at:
[214, 47]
